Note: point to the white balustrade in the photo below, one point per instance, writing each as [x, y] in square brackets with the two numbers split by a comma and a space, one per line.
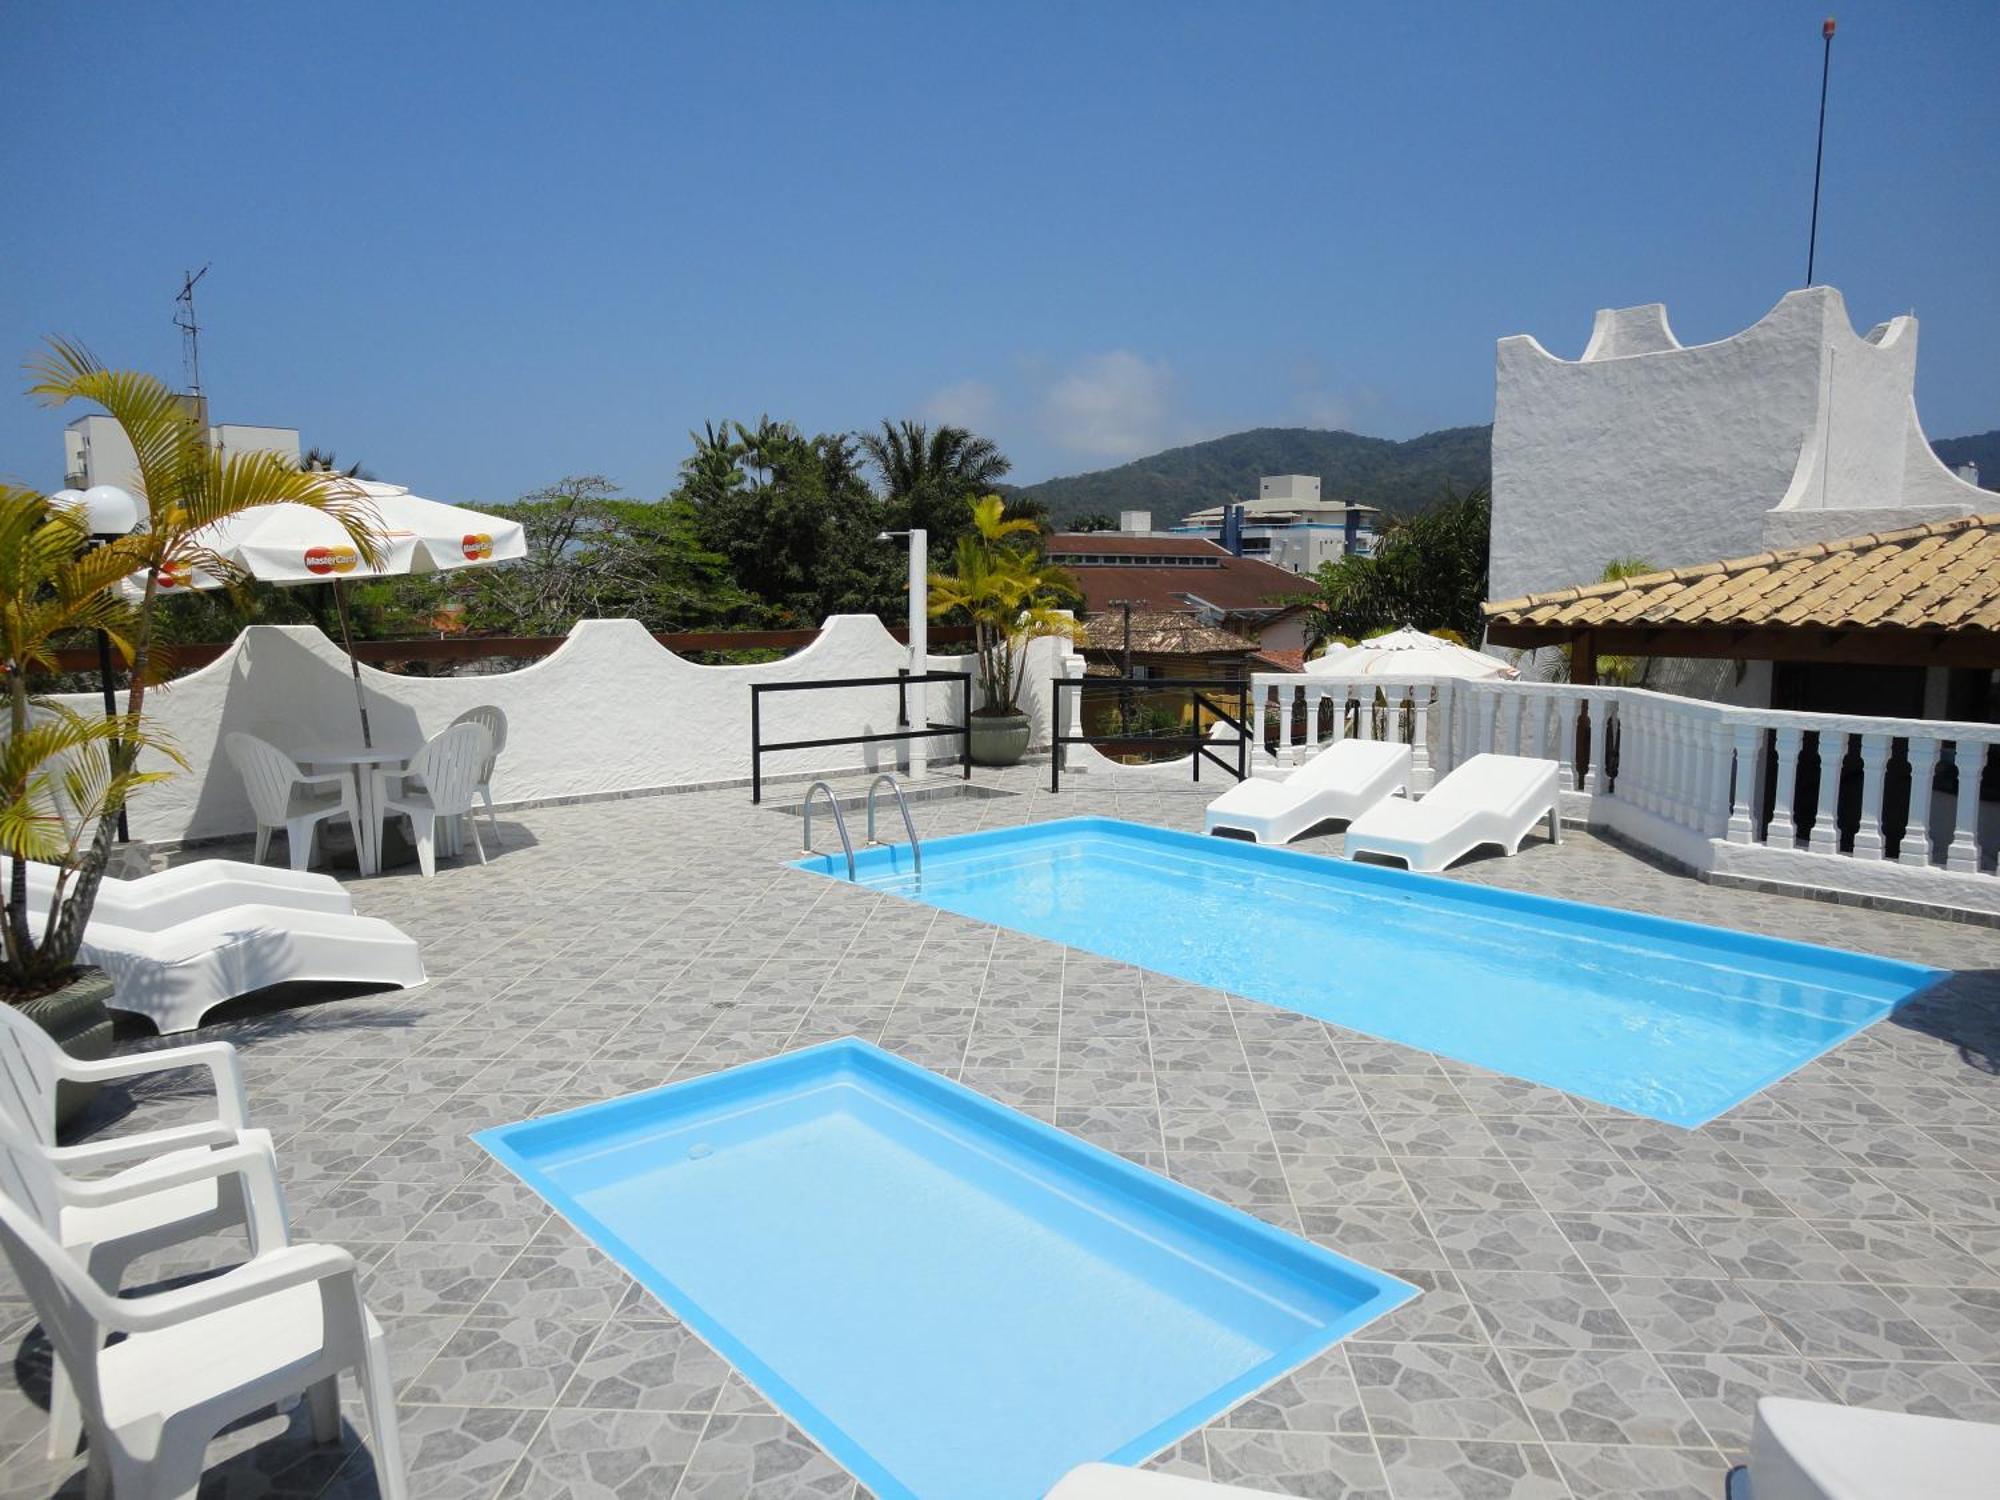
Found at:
[1706, 769]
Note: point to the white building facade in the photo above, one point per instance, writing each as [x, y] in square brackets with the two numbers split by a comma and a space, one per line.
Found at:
[1289, 526]
[1795, 430]
[96, 450]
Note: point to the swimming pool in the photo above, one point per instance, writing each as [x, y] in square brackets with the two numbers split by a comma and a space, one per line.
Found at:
[1671, 1020]
[954, 1300]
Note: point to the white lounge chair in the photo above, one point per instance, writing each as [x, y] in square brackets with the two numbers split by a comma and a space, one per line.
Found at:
[1491, 799]
[447, 769]
[197, 889]
[176, 975]
[1343, 781]
[196, 1359]
[1110, 1482]
[1816, 1450]
[283, 796]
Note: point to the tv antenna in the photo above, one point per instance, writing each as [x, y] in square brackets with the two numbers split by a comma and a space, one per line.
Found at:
[190, 330]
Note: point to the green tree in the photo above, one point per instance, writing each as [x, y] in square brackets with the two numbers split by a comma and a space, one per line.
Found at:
[1428, 572]
[931, 475]
[793, 519]
[1624, 671]
[1094, 520]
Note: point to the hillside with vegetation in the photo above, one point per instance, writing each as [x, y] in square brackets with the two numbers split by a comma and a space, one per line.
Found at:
[1402, 477]
[1981, 448]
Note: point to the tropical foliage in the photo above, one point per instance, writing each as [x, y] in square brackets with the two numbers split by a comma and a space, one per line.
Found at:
[1428, 571]
[1622, 671]
[1003, 587]
[930, 476]
[57, 584]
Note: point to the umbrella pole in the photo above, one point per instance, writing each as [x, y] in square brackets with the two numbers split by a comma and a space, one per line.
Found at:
[353, 663]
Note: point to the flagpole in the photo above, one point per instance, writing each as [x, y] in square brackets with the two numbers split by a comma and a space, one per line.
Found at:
[1819, 150]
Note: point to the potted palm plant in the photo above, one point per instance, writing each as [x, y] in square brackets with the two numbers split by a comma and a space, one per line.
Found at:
[1010, 594]
[65, 776]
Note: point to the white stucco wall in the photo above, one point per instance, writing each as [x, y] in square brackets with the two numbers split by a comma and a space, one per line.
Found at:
[610, 711]
[1794, 430]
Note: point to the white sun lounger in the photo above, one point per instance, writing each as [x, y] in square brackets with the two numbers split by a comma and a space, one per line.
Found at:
[197, 889]
[1343, 781]
[1491, 799]
[1816, 1450]
[1110, 1482]
[176, 975]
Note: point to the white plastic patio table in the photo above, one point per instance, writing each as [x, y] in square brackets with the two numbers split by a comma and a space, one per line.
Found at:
[360, 765]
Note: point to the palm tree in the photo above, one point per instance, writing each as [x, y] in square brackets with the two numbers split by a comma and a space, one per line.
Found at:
[186, 484]
[1000, 582]
[322, 461]
[1623, 671]
[932, 474]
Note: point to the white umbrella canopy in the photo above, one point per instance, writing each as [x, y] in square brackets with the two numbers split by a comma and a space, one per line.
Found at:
[292, 544]
[297, 544]
[1408, 653]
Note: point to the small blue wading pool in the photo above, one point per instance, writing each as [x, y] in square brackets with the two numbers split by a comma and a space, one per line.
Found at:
[1671, 1020]
[954, 1300]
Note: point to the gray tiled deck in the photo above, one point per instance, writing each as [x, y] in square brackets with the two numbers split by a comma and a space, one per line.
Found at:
[1604, 1296]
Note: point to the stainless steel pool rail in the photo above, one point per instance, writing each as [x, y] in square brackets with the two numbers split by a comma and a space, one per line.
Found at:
[839, 823]
[902, 806]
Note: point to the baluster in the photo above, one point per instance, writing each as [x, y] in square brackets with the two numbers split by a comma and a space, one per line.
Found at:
[1566, 714]
[1915, 848]
[1313, 744]
[1970, 758]
[1515, 703]
[1539, 733]
[1716, 792]
[1781, 830]
[1868, 842]
[1825, 837]
[1601, 743]
[1483, 731]
[1749, 744]
[1701, 757]
[1258, 688]
[1644, 743]
[1422, 695]
[1673, 735]
[1444, 749]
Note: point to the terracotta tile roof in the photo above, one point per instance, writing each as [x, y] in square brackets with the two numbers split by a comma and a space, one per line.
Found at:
[1208, 573]
[1943, 575]
[1280, 661]
[1163, 634]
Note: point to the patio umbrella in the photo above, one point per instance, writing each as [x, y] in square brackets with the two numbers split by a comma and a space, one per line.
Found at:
[289, 544]
[1408, 653]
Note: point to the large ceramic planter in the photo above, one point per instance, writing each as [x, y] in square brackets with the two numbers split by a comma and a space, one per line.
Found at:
[76, 1017]
[999, 739]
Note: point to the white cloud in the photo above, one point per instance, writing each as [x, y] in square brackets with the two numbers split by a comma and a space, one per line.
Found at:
[1114, 405]
[1329, 409]
[966, 403]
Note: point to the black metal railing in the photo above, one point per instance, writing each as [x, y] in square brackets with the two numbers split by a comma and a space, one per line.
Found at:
[1197, 740]
[902, 681]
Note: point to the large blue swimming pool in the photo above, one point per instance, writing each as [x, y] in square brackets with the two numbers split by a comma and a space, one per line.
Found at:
[1671, 1020]
[954, 1300]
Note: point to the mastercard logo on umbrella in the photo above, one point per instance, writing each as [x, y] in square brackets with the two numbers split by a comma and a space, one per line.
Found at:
[477, 546]
[324, 560]
[175, 575]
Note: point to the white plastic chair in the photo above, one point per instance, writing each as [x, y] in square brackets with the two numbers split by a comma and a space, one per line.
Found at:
[196, 1359]
[282, 794]
[494, 722]
[107, 1225]
[31, 1065]
[448, 769]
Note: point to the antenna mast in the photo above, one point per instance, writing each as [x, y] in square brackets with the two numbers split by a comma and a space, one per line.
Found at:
[190, 330]
[1819, 150]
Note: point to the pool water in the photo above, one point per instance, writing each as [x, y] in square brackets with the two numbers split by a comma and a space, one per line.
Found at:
[954, 1300]
[1672, 1020]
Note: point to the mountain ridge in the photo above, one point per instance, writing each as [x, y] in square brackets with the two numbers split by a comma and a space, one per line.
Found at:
[1399, 476]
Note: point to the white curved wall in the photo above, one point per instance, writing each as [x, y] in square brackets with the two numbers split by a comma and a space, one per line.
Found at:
[1793, 430]
[610, 711]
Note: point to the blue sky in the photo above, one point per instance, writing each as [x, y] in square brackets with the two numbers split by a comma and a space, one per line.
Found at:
[480, 247]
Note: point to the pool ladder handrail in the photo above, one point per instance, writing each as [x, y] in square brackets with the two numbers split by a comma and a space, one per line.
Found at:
[902, 806]
[840, 823]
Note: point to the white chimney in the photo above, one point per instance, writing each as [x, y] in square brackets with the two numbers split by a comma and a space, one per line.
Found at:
[1969, 472]
[1135, 520]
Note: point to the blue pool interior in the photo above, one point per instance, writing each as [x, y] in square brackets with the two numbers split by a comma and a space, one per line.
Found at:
[954, 1300]
[1671, 1020]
